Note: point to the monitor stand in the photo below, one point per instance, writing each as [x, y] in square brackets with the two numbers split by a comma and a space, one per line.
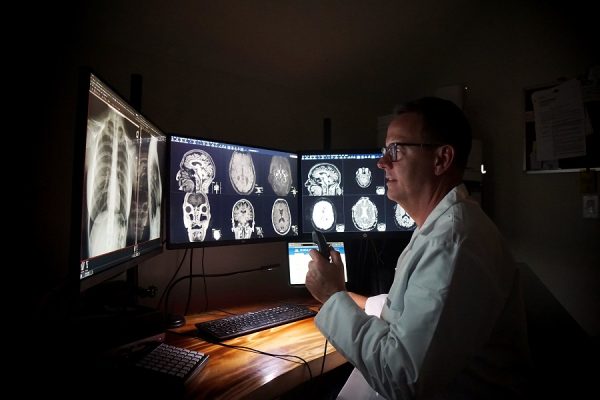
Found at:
[109, 316]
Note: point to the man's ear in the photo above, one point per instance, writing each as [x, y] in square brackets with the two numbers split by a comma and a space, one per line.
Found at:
[444, 156]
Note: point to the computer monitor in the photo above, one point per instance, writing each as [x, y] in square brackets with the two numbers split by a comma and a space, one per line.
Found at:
[344, 196]
[298, 259]
[225, 193]
[117, 186]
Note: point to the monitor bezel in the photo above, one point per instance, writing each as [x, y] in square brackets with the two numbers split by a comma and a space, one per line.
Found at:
[225, 242]
[128, 257]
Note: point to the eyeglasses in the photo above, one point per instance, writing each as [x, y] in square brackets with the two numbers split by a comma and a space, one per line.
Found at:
[393, 149]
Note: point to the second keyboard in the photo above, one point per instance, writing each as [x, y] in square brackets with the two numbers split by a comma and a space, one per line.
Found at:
[253, 321]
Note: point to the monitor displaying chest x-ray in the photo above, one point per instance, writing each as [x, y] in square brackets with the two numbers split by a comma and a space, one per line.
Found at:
[225, 193]
[119, 169]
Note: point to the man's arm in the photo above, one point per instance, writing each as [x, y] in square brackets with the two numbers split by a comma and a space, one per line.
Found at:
[360, 300]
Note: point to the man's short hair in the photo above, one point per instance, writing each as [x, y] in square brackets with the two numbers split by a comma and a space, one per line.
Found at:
[443, 122]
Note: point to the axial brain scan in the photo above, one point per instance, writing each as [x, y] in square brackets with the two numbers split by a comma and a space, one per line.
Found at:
[280, 175]
[403, 220]
[281, 216]
[241, 172]
[324, 179]
[196, 172]
[323, 214]
[363, 177]
[364, 214]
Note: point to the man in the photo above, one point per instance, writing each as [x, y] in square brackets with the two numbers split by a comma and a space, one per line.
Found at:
[453, 323]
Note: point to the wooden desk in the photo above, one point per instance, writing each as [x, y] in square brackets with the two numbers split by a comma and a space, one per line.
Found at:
[238, 374]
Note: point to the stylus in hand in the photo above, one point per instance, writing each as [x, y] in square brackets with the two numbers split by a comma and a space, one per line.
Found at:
[319, 239]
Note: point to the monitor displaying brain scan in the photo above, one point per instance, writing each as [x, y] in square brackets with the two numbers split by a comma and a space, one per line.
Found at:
[223, 193]
[345, 193]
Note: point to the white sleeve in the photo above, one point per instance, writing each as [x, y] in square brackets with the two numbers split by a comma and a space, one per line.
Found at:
[374, 305]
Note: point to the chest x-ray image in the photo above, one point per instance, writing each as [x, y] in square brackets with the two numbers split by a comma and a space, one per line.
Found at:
[324, 179]
[242, 173]
[196, 172]
[364, 214]
[280, 175]
[110, 175]
[146, 202]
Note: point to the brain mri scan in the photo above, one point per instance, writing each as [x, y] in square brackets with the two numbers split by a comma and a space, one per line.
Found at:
[242, 173]
[281, 216]
[364, 214]
[324, 179]
[323, 214]
[402, 219]
[280, 175]
[196, 172]
[363, 177]
[196, 215]
[242, 219]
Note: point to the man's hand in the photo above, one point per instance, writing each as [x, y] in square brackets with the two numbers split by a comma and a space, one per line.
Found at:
[323, 278]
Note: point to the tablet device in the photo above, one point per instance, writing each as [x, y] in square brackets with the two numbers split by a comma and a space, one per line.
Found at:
[298, 259]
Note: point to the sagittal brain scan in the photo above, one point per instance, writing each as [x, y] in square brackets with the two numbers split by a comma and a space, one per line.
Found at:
[364, 214]
[196, 171]
[241, 172]
[280, 175]
[403, 220]
[345, 192]
[251, 193]
[324, 179]
[281, 217]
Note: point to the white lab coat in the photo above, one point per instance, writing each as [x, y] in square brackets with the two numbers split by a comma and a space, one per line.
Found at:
[453, 322]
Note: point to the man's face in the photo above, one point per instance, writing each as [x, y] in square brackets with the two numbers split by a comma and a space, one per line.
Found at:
[413, 169]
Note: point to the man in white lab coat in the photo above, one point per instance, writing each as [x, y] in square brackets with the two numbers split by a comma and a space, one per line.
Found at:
[453, 322]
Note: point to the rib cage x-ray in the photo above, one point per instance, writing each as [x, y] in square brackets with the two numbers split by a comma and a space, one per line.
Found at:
[110, 173]
[122, 182]
[146, 201]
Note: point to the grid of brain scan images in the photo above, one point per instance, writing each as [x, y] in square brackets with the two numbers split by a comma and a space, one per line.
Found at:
[227, 192]
[346, 192]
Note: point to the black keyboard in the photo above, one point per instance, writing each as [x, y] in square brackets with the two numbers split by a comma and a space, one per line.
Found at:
[173, 362]
[253, 321]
